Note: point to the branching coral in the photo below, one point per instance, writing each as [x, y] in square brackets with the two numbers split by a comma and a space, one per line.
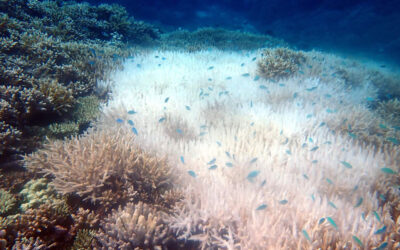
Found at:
[279, 63]
[113, 170]
[7, 202]
[138, 226]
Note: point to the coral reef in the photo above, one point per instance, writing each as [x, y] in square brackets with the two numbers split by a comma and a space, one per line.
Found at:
[37, 192]
[136, 226]
[279, 63]
[113, 171]
[218, 38]
[52, 54]
[8, 202]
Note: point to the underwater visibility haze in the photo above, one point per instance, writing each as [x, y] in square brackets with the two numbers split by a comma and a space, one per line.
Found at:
[199, 124]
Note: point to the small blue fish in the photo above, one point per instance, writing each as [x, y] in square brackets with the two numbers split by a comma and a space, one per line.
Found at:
[241, 65]
[301, 72]
[263, 183]
[256, 78]
[346, 164]
[138, 65]
[281, 85]
[132, 112]
[357, 240]
[288, 152]
[352, 135]
[382, 246]
[305, 176]
[332, 222]
[212, 161]
[134, 131]
[228, 154]
[182, 159]
[359, 202]
[229, 164]
[261, 207]
[309, 116]
[327, 96]
[192, 173]
[161, 120]
[202, 133]
[163, 58]
[209, 79]
[252, 124]
[377, 216]
[93, 51]
[166, 99]
[283, 202]
[322, 220]
[246, 75]
[130, 122]
[187, 107]
[254, 58]
[253, 160]
[228, 78]
[393, 140]
[329, 181]
[263, 87]
[330, 203]
[370, 99]
[314, 148]
[252, 175]
[295, 95]
[210, 68]
[119, 120]
[322, 124]
[213, 167]
[179, 131]
[218, 143]
[313, 197]
[306, 235]
[330, 111]
[381, 230]
[314, 161]
[311, 89]
[388, 171]
[310, 140]
[328, 142]
[382, 126]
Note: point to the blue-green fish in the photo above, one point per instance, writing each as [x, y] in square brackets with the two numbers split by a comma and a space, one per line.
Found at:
[322, 124]
[311, 89]
[346, 164]
[295, 95]
[309, 116]
[241, 65]
[393, 140]
[377, 216]
[252, 174]
[229, 164]
[332, 222]
[352, 135]
[218, 143]
[134, 131]
[228, 154]
[212, 161]
[253, 160]
[382, 126]
[187, 107]
[132, 112]
[314, 161]
[263, 87]
[211, 67]
[161, 120]
[306, 235]
[179, 131]
[313, 197]
[288, 152]
[213, 167]
[254, 58]
[382, 246]
[305, 176]
[262, 207]
[314, 148]
[329, 181]
[381, 230]
[388, 171]
[330, 111]
[130, 122]
[283, 202]
[357, 240]
[228, 78]
[256, 78]
[182, 159]
[359, 202]
[192, 173]
[119, 120]
[245, 74]
[330, 203]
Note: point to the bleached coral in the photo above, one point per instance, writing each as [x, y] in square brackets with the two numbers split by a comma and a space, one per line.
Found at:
[135, 227]
[263, 164]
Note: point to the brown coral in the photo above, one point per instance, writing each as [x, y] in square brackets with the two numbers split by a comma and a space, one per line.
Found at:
[279, 63]
[135, 227]
[104, 166]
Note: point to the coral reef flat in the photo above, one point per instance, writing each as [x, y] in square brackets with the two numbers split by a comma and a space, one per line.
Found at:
[116, 134]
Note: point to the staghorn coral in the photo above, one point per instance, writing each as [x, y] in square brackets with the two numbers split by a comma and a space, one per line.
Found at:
[8, 202]
[136, 226]
[279, 63]
[114, 170]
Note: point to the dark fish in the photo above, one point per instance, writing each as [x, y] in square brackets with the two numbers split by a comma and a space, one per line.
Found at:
[228, 154]
[329, 181]
[381, 230]
[322, 220]
[377, 216]
[314, 161]
[330, 203]
[218, 143]
[295, 94]
[382, 246]
[393, 140]
[305, 176]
